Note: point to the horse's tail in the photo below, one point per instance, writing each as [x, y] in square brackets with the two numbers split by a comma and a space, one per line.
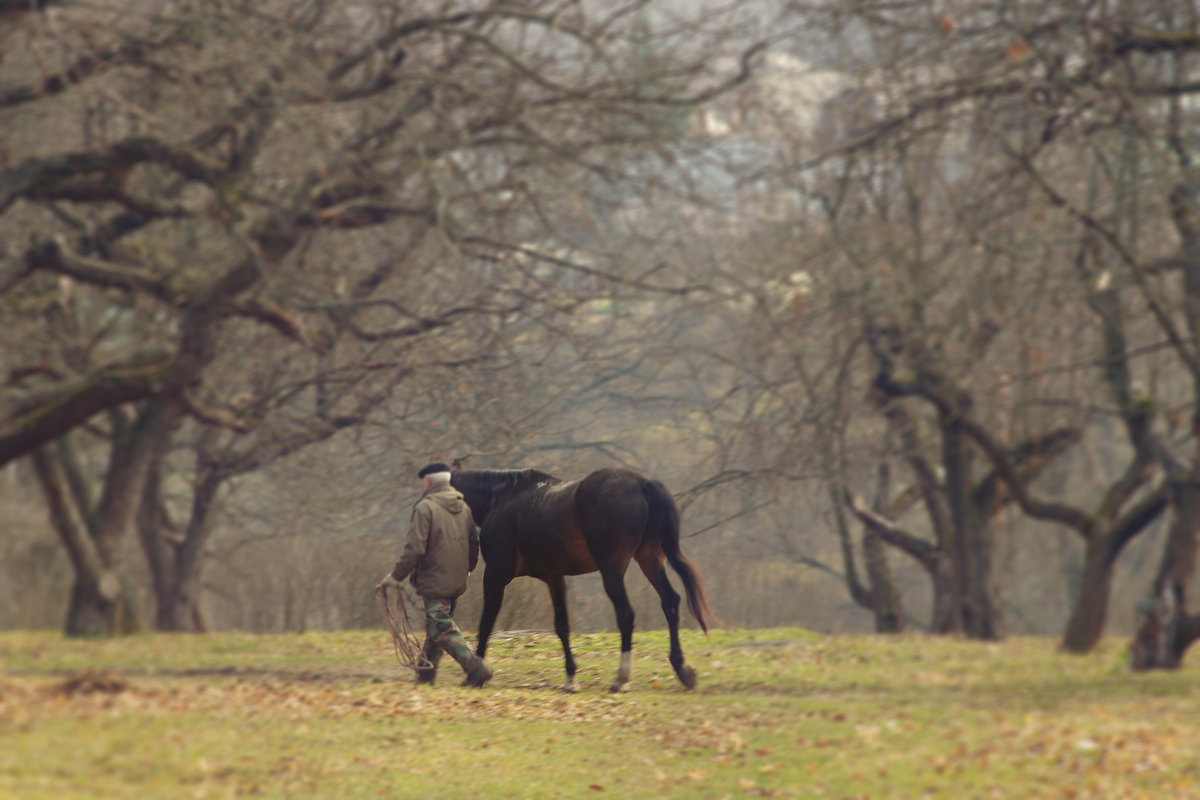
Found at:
[664, 519]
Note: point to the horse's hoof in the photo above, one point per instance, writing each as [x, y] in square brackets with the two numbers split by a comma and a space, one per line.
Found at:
[687, 676]
[619, 687]
[571, 686]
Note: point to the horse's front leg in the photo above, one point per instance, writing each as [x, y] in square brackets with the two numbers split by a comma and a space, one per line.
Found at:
[614, 587]
[493, 597]
[558, 597]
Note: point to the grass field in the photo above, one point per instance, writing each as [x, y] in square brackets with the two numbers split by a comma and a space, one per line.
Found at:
[777, 713]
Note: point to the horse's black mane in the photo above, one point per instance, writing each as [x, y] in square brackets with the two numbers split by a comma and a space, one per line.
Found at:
[501, 480]
[486, 489]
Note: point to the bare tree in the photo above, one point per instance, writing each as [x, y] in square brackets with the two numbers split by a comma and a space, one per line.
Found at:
[947, 164]
[352, 189]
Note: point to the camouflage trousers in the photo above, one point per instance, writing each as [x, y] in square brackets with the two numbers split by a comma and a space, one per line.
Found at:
[442, 634]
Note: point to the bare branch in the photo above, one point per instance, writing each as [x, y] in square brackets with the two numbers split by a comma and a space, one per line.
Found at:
[43, 176]
[919, 549]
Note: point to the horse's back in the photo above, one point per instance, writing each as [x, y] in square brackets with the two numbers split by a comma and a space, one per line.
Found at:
[612, 503]
[612, 483]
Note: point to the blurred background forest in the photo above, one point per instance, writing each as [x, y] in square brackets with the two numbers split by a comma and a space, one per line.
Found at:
[900, 300]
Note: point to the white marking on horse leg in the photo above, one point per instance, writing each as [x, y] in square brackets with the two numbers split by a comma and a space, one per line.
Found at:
[571, 686]
[624, 671]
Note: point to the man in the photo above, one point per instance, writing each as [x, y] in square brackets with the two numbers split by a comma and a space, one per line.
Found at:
[441, 550]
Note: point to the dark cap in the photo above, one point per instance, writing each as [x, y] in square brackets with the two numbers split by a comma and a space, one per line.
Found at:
[436, 466]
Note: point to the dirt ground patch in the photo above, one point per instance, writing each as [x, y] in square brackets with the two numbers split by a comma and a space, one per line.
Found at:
[291, 694]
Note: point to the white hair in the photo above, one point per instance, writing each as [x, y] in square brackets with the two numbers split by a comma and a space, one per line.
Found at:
[438, 477]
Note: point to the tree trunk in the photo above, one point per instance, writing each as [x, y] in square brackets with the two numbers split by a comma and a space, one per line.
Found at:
[1089, 610]
[968, 540]
[97, 607]
[185, 602]
[880, 595]
[981, 614]
[1165, 630]
[100, 605]
[176, 561]
[156, 541]
[181, 611]
[963, 594]
[946, 617]
[886, 603]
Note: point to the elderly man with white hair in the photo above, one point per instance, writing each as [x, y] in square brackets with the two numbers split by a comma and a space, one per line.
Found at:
[440, 551]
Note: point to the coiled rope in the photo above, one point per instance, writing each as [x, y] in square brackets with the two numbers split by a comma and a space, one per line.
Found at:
[408, 650]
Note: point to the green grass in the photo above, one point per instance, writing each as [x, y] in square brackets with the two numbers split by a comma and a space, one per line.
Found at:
[777, 713]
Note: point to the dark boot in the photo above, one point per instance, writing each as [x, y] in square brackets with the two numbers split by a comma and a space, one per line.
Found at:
[479, 674]
[432, 653]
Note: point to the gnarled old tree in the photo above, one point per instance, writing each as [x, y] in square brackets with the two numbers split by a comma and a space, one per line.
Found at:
[262, 219]
[916, 340]
[1100, 94]
[1167, 627]
[1120, 83]
[1009, 199]
[875, 287]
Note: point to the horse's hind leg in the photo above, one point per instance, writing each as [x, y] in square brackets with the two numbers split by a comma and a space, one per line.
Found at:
[614, 587]
[558, 597]
[656, 573]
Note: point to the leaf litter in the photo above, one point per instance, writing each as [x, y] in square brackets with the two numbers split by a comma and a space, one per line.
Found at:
[832, 718]
[91, 692]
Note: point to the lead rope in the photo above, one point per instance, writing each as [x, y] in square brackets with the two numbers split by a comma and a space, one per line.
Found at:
[404, 640]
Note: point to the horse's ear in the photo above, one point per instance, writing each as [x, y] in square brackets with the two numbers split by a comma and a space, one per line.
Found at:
[455, 465]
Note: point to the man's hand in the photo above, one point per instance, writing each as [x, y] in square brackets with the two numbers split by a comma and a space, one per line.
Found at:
[388, 581]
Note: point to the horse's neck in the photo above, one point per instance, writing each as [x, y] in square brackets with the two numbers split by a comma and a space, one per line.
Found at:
[483, 488]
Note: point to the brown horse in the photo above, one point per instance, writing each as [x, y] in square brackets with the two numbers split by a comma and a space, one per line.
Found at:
[537, 525]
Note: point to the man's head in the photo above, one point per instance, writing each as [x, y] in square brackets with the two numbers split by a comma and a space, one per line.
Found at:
[436, 473]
